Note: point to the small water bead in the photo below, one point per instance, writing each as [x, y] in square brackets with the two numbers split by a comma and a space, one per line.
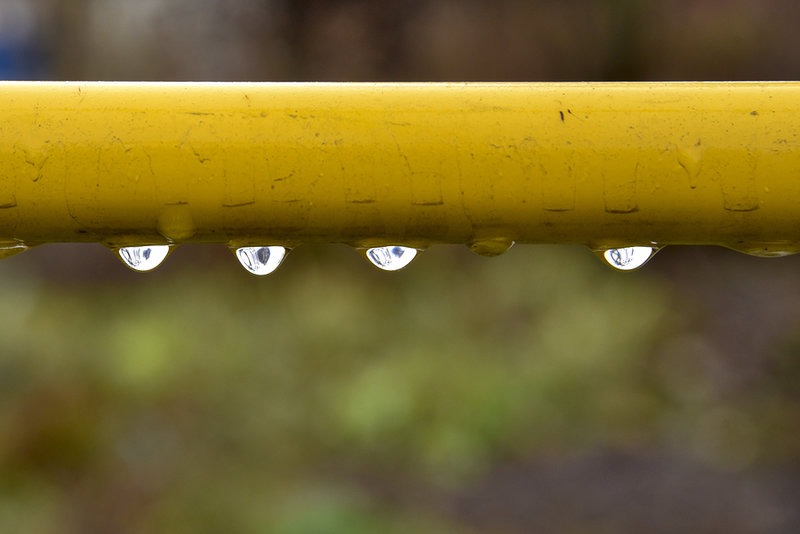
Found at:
[145, 258]
[628, 258]
[491, 247]
[260, 260]
[768, 249]
[10, 249]
[391, 258]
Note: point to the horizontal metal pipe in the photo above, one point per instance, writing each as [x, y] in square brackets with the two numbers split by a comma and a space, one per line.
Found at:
[600, 164]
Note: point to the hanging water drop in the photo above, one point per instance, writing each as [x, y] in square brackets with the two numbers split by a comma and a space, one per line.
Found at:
[260, 260]
[391, 258]
[10, 249]
[145, 258]
[628, 258]
[491, 246]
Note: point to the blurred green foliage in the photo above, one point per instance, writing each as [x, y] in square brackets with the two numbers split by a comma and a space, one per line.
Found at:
[202, 399]
[225, 401]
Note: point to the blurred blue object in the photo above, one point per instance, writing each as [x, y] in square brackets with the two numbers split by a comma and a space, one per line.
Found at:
[21, 56]
[19, 61]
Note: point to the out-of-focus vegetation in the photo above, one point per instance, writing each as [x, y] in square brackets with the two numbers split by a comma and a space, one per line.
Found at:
[536, 391]
[331, 397]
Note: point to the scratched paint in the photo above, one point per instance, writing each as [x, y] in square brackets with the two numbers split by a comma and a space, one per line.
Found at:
[690, 158]
[620, 180]
[9, 213]
[558, 182]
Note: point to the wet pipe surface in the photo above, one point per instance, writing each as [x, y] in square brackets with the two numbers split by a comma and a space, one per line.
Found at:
[391, 169]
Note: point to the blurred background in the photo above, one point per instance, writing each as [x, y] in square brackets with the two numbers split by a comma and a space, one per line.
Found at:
[536, 391]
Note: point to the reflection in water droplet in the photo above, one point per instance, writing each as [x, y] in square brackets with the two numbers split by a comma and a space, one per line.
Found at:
[144, 258]
[392, 258]
[260, 260]
[628, 258]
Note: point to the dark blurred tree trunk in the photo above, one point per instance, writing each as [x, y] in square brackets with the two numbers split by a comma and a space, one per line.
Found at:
[392, 22]
[69, 45]
[297, 20]
[388, 24]
[626, 62]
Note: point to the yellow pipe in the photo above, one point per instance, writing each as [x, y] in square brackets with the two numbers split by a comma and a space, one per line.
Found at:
[601, 164]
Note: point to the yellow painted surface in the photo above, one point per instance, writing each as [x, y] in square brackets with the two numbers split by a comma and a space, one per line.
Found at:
[415, 164]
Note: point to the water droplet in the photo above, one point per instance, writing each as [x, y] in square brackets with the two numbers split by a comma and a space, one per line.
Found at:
[768, 252]
[175, 222]
[767, 249]
[145, 258]
[10, 249]
[260, 260]
[628, 258]
[391, 258]
[491, 247]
